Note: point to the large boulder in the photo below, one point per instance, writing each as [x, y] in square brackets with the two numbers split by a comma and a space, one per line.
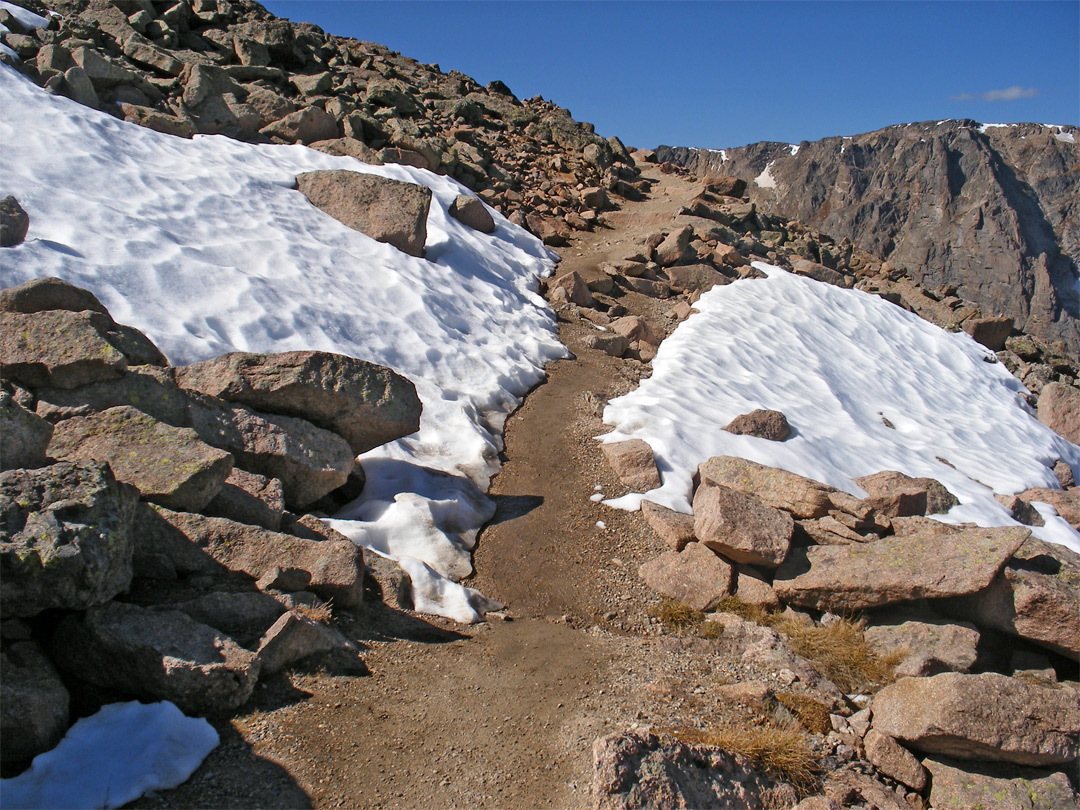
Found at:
[762, 424]
[1059, 410]
[927, 565]
[951, 786]
[66, 537]
[694, 576]
[774, 487]
[33, 703]
[894, 494]
[740, 527]
[638, 770]
[367, 404]
[57, 348]
[24, 436]
[633, 461]
[14, 222]
[169, 465]
[1034, 597]
[188, 543]
[470, 211]
[386, 210]
[927, 647]
[987, 717]
[156, 655]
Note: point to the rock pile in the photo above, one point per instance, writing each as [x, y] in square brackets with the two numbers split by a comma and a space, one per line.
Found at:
[148, 549]
[232, 68]
[942, 601]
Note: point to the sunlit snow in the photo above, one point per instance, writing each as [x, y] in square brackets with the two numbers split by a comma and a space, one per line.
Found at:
[765, 179]
[838, 363]
[204, 245]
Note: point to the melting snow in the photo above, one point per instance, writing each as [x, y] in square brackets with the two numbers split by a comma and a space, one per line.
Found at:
[765, 179]
[794, 147]
[204, 245]
[833, 360]
[114, 757]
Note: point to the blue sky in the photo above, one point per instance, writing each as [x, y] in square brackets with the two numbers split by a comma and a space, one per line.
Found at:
[719, 74]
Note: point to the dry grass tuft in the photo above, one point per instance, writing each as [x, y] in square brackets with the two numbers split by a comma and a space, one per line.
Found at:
[321, 612]
[813, 714]
[744, 610]
[783, 751]
[840, 652]
[681, 618]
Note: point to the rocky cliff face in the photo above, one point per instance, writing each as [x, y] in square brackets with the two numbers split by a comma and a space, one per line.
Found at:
[991, 210]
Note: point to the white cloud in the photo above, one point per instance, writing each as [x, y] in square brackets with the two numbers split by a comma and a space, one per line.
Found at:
[1008, 94]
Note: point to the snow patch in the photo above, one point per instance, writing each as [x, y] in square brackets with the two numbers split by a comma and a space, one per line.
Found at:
[834, 361]
[27, 19]
[794, 147]
[765, 179]
[113, 757]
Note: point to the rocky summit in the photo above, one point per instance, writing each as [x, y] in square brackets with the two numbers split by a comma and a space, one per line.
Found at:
[366, 480]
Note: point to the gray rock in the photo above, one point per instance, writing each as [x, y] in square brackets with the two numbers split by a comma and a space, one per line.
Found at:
[694, 576]
[987, 717]
[332, 569]
[774, 487]
[294, 637]
[636, 770]
[963, 787]
[249, 498]
[14, 222]
[367, 404]
[33, 703]
[67, 538]
[24, 436]
[78, 87]
[169, 466]
[740, 527]
[101, 72]
[386, 210]
[762, 423]
[244, 615]
[472, 212]
[157, 655]
[927, 565]
[150, 389]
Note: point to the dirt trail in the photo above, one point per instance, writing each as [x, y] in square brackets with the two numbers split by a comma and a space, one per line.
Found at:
[503, 714]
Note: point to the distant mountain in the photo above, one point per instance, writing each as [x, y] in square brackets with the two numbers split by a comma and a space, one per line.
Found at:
[991, 209]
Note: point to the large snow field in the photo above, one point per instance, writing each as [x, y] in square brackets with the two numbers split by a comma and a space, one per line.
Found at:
[837, 363]
[204, 245]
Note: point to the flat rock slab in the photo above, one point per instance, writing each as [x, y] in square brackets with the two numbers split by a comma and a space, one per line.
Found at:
[169, 465]
[774, 487]
[366, 404]
[741, 527]
[56, 348]
[674, 528]
[694, 576]
[925, 565]
[157, 655]
[638, 770]
[387, 210]
[332, 569]
[66, 537]
[956, 787]
[929, 648]
[987, 717]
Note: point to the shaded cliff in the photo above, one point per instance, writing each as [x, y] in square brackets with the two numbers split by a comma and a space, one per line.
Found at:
[993, 210]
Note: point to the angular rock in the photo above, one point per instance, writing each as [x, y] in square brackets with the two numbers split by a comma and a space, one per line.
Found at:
[929, 648]
[151, 389]
[674, 528]
[169, 466]
[987, 717]
[762, 423]
[893, 760]
[694, 576]
[829, 531]
[774, 487]
[927, 565]
[249, 498]
[1065, 502]
[724, 185]
[990, 332]
[157, 655]
[1034, 597]
[309, 461]
[43, 294]
[33, 703]
[729, 256]
[1064, 474]
[66, 537]
[695, 277]
[471, 211]
[819, 272]
[740, 527]
[308, 125]
[332, 569]
[14, 222]
[674, 246]
[366, 404]
[965, 787]
[634, 328]
[634, 464]
[848, 787]
[1059, 410]
[645, 286]
[243, 615]
[292, 638]
[158, 121]
[57, 348]
[640, 770]
[894, 494]
[386, 210]
[752, 589]
[24, 436]
[577, 291]
[613, 345]
[78, 87]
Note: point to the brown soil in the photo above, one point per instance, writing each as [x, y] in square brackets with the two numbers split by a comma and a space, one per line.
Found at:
[501, 714]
